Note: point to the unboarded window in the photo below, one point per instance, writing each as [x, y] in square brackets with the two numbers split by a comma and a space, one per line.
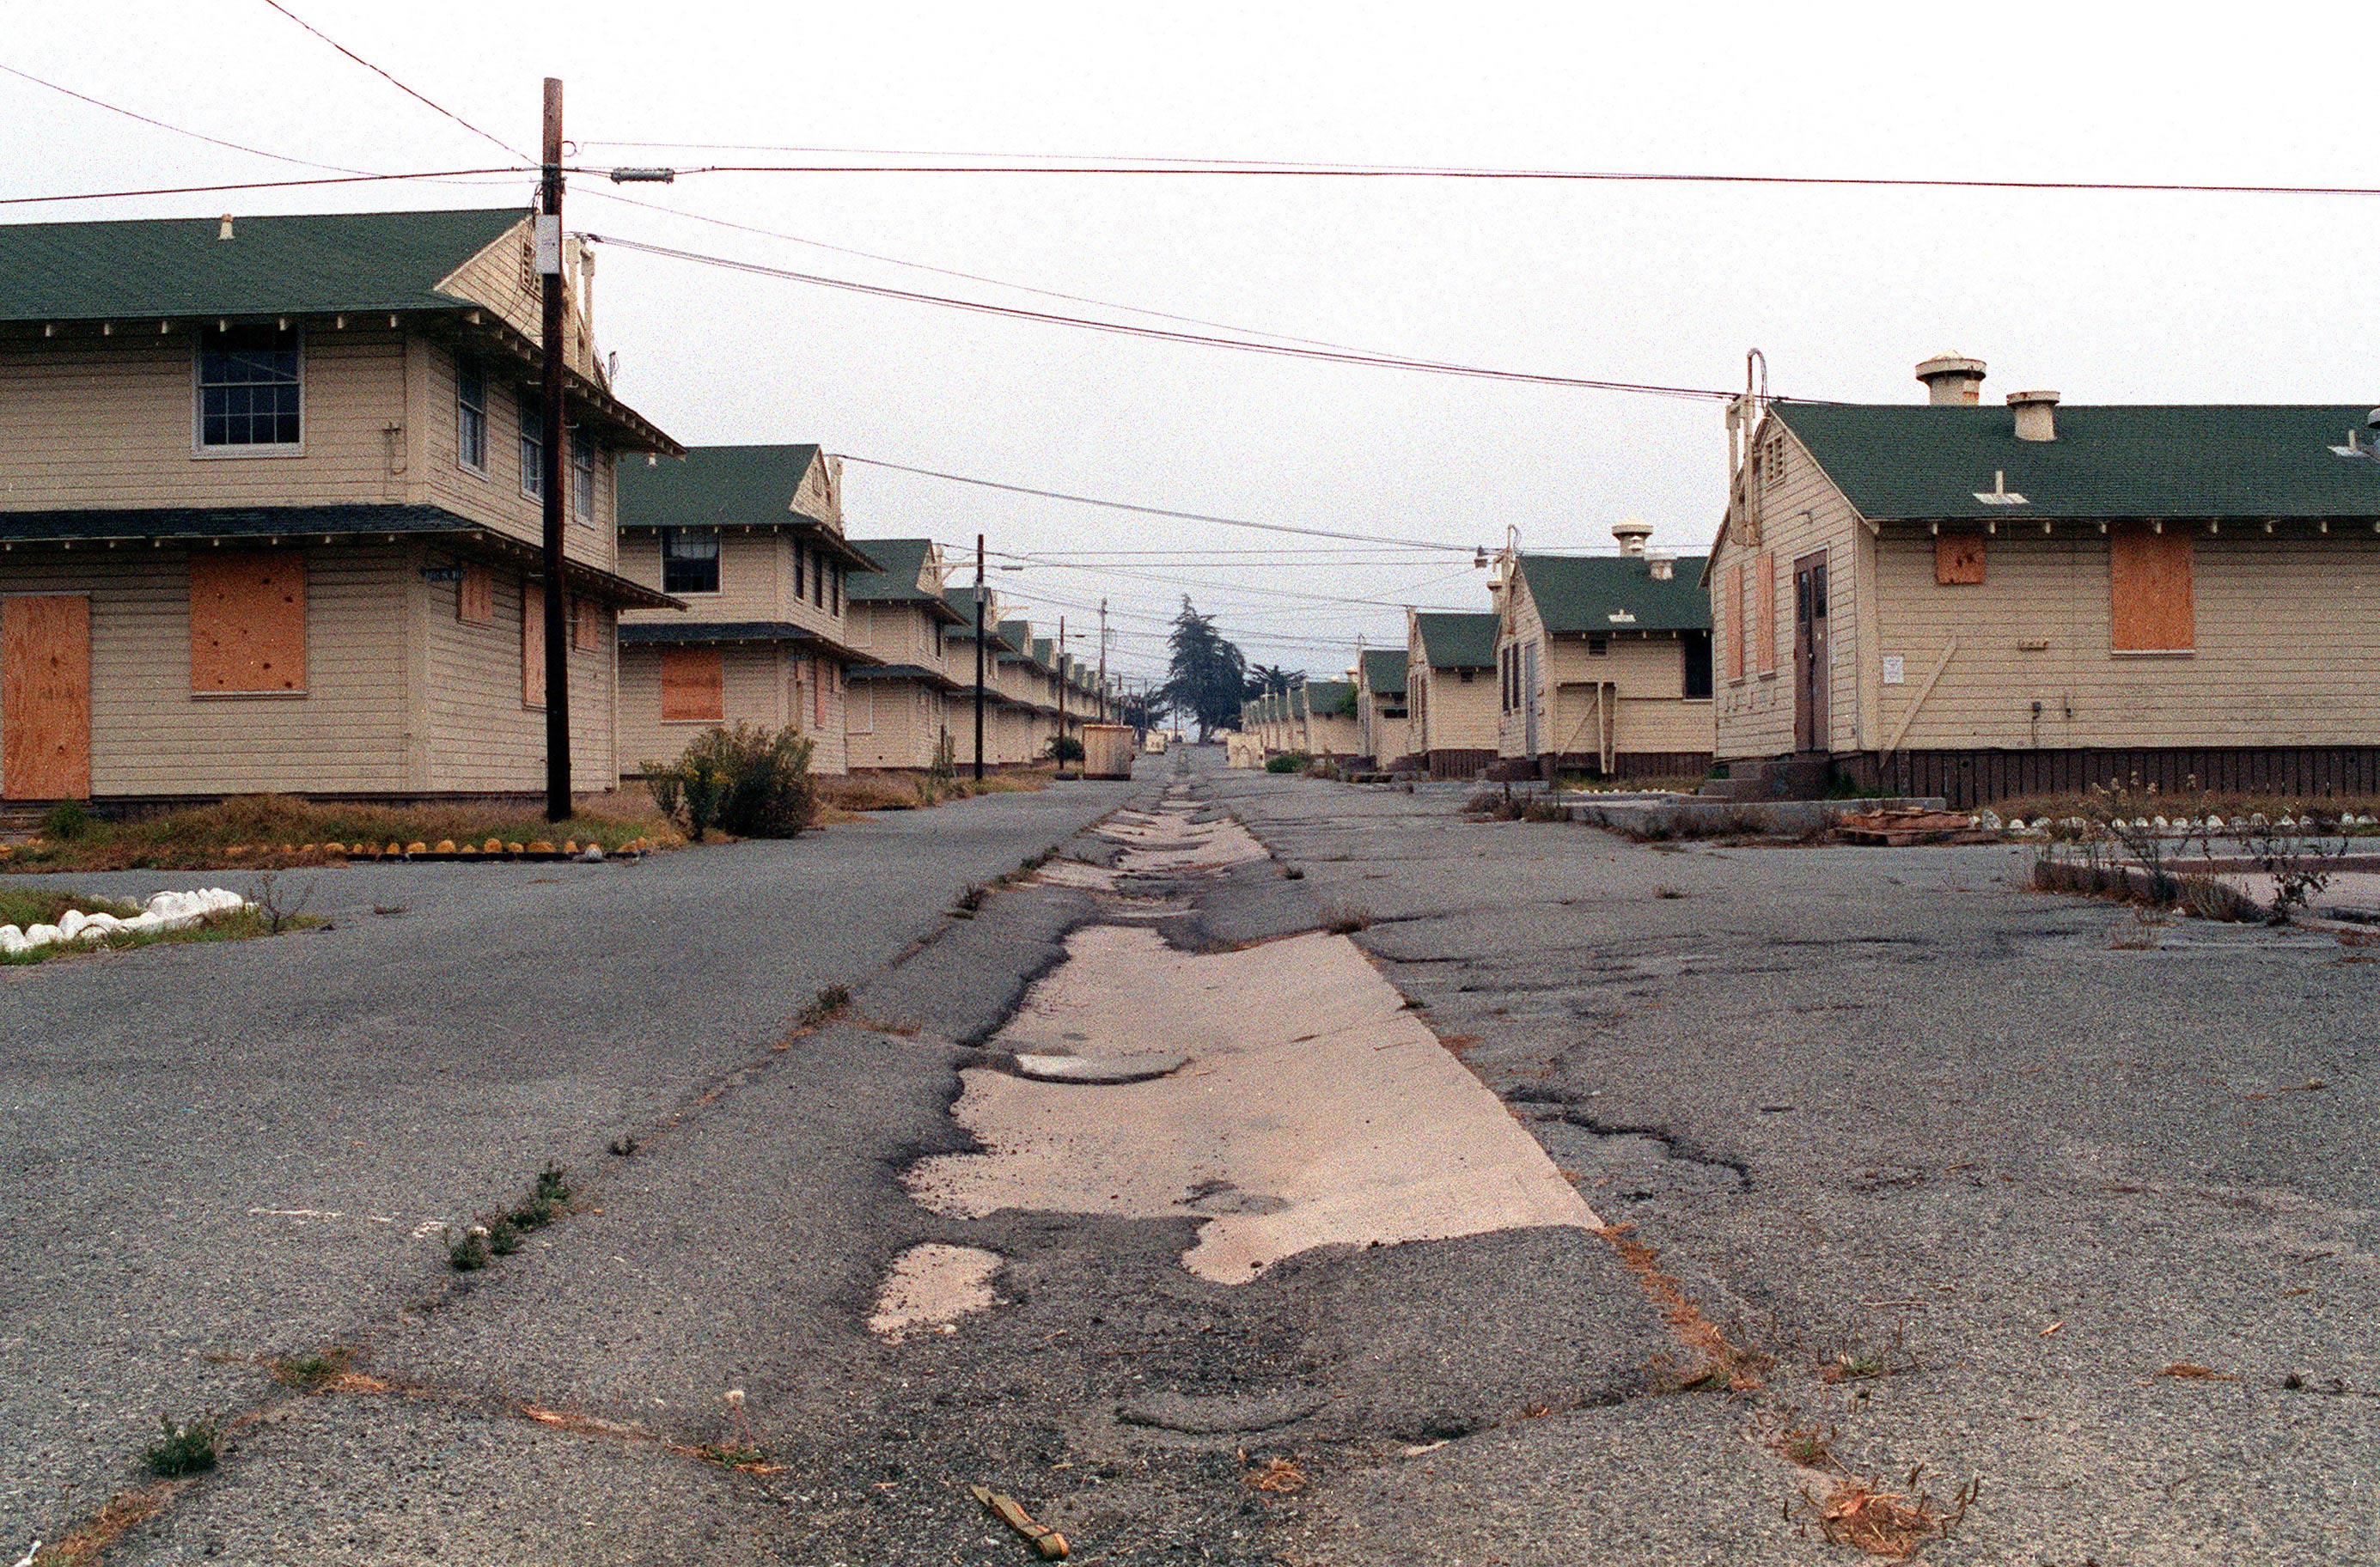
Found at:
[1958, 560]
[2150, 606]
[694, 686]
[247, 623]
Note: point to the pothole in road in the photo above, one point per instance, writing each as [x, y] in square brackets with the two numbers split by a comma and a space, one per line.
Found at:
[1310, 1108]
[931, 1286]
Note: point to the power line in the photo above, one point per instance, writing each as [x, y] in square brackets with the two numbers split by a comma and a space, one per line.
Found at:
[968, 276]
[1154, 511]
[1228, 168]
[401, 87]
[176, 129]
[1331, 356]
[246, 185]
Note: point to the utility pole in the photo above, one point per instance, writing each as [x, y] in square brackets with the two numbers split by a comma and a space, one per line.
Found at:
[1103, 659]
[1062, 684]
[978, 658]
[557, 645]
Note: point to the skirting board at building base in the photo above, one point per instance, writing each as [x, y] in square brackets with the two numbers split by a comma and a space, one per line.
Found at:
[1971, 778]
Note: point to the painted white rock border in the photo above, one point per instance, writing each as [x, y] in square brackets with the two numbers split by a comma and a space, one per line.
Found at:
[166, 911]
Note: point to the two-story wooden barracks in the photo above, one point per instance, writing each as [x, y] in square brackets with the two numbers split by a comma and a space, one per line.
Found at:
[270, 510]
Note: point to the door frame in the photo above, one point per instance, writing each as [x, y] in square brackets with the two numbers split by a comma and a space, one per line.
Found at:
[1813, 651]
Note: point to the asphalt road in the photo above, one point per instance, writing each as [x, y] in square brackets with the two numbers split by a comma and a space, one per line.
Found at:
[1890, 1103]
[220, 1152]
[1883, 1104]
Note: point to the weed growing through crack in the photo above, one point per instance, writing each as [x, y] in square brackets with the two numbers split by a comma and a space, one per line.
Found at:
[503, 1238]
[1806, 1439]
[625, 1147]
[1866, 1357]
[1293, 873]
[553, 1183]
[1345, 920]
[467, 1253]
[187, 1449]
[829, 1003]
[310, 1371]
[969, 900]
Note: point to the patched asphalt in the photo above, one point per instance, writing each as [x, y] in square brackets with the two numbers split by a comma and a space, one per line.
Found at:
[1874, 1103]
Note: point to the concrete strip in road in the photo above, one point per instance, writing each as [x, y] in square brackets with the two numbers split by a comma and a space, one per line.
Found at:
[1315, 1109]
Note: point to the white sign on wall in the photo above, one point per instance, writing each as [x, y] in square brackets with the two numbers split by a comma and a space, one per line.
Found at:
[1893, 669]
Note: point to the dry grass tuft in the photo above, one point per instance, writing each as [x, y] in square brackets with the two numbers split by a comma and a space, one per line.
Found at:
[2191, 1371]
[1723, 1363]
[1279, 1476]
[1891, 1525]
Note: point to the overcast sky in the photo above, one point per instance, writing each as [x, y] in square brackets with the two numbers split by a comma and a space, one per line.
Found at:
[2106, 297]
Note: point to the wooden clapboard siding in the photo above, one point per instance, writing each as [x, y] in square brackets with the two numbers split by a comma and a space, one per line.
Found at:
[151, 736]
[482, 735]
[1455, 715]
[1753, 638]
[45, 697]
[494, 496]
[904, 723]
[110, 421]
[2287, 633]
[1522, 625]
[1649, 710]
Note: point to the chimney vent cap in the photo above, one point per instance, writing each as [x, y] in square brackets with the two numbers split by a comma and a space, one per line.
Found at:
[1632, 535]
[2027, 399]
[1952, 378]
[222, 227]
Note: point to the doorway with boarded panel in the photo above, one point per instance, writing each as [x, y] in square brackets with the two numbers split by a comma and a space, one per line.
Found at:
[1810, 657]
[46, 697]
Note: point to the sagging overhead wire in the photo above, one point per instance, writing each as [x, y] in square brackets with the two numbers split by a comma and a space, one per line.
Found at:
[385, 76]
[178, 130]
[1164, 335]
[248, 185]
[1159, 511]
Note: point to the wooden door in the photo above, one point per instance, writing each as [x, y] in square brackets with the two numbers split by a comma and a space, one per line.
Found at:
[46, 697]
[1811, 668]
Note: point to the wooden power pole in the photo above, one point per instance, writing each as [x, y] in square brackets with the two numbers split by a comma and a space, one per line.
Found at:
[557, 635]
[978, 658]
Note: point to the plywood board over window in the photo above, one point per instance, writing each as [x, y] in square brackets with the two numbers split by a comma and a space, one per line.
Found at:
[694, 686]
[586, 624]
[475, 597]
[533, 642]
[1731, 608]
[247, 623]
[45, 697]
[1958, 560]
[2150, 604]
[1764, 612]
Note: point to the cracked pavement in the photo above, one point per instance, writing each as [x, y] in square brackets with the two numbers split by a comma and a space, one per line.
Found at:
[1882, 1107]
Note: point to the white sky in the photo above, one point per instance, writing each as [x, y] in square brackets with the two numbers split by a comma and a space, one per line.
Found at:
[2106, 297]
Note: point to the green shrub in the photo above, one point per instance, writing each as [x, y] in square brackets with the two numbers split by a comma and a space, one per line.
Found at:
[1063, 747]
[1289, 761]
[748, 780]
[187, 1448]
[65, 821]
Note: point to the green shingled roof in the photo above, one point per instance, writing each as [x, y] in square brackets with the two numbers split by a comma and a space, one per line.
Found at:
[314, 263]
[1918, 461]
[1577, 594]
[903, 560]
[1325, 696]
[1384, 670]
[1458, 641]
[729, 487]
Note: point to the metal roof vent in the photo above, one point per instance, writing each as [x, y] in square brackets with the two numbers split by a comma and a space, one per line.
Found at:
[1632, 535]
[2036, 415]
[1952, 379]
[1661, 566]
[222, 227]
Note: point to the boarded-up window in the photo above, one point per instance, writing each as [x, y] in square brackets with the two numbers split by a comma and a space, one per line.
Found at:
[694, 686]
[475, 596]
[1958, 558]
[2150, 609]
[45, 697]
[1764, 613]
[860, 712]
[1731, 607]
[248, 622]
[533, 642]
[586, 624]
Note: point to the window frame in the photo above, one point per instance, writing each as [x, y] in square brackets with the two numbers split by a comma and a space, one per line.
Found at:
[718, 552]
[530, 412]
[584, 458]
[198, 445]
[469, 368]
